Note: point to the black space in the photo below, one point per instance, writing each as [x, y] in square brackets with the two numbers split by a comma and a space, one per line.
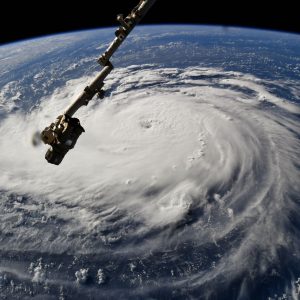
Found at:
[27, 19]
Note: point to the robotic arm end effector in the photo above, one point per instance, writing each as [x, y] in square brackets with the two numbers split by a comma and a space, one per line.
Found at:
[62, 136]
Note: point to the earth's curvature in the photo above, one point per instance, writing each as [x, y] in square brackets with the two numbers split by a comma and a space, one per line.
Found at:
[185, 184]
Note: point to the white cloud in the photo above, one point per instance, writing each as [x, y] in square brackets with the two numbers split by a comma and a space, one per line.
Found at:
[157, 151]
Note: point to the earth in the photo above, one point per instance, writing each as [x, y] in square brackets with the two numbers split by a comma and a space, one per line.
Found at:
[185, 184]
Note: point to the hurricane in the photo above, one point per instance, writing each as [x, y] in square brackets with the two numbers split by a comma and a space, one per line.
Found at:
[184, 185]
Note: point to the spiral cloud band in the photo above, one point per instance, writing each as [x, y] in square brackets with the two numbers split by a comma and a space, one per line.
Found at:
[196, 167]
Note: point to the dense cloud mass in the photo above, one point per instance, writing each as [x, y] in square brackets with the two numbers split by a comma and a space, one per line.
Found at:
[184, 177]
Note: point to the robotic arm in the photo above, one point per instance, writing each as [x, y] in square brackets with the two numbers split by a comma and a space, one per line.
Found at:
[63, 134]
